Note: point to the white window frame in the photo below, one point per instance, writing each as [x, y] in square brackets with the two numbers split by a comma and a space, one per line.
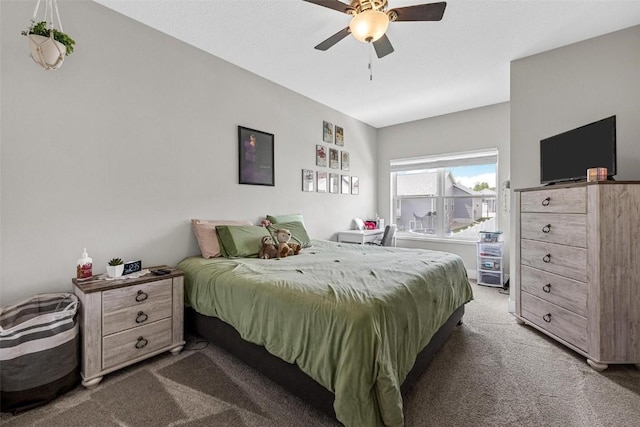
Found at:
[440, 162]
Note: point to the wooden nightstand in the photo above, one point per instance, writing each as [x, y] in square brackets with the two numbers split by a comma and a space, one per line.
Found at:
[128, 320]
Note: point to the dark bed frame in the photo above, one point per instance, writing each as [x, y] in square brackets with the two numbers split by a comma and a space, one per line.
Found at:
[289, 375]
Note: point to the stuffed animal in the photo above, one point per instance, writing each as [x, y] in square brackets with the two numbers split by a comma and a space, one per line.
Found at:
[283, 236]
[268, 249]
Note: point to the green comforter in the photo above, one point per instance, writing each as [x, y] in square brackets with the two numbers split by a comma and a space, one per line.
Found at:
[353, 317]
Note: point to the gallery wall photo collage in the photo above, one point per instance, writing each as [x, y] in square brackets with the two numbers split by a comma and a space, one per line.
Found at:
[335, 158]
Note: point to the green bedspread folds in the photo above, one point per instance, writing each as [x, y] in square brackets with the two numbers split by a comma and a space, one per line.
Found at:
[353, 317]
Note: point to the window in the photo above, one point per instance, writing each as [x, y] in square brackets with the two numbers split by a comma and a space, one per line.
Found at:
[450, 197]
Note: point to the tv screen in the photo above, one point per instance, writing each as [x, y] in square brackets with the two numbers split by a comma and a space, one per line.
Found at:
[567, 156]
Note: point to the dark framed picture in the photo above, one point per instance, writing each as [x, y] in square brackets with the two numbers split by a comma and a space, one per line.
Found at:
[256, 153]
[327, 131]
[339, 136]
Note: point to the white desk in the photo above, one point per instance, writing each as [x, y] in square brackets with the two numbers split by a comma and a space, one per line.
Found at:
[360, 236]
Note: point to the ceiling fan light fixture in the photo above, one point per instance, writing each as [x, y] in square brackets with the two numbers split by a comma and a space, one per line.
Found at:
[369, 25]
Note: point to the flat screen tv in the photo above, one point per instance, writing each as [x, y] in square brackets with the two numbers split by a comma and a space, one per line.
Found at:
[567, 156]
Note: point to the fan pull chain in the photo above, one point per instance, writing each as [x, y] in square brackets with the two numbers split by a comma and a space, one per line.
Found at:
[371, 62]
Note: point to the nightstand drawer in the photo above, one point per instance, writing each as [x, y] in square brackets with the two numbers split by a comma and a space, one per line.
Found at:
[565, 324]
[565, 229]
[129, 345]
[562, 200]
[567, 261]
[132, 317]
[154, 294]
[566, 293]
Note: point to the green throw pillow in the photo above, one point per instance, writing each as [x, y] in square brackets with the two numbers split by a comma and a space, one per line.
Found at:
[240, 241]
[277, 219]
[298, 232]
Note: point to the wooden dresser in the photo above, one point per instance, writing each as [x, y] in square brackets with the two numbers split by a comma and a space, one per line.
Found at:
[578, 267]
[128, 320]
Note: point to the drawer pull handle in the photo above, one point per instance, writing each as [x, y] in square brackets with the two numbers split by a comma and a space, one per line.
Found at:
[141, 343]
[546, 201]
[547, 258]
[142, 317]
[547, 288]
[141, 296]
[547, 317]
[546, 228]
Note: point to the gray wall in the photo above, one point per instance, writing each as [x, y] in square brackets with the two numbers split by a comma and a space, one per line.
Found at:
[135, 135]
[480, 128]
[564, 88]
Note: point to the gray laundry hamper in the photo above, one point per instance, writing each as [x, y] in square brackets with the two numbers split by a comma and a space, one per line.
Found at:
[39, 350]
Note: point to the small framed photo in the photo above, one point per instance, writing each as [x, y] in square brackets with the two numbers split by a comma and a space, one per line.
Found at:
[307, 180]
[334, 159]
[321, 156]
[321, 178]
[345, 187]
[255, 157]
[355, 185]
[334, 183]
[327, 131]
[345, 160]
[339, 136]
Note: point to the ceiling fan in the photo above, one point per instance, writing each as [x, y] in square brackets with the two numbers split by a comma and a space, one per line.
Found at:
[371, 20]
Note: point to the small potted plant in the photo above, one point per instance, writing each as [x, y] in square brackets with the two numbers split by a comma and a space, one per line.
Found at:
[115, 267]
[47, 45]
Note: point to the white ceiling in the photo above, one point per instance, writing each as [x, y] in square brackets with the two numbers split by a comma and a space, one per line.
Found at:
[458, 63]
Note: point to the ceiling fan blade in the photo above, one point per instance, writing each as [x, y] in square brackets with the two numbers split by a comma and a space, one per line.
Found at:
[332, 4]
[334, 39]
[383, 46]
[420, 12]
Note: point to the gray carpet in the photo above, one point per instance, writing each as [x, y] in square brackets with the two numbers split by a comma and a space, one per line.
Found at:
[491, 372]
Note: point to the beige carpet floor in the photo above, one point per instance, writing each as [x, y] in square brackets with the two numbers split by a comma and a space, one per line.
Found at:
[491, 372]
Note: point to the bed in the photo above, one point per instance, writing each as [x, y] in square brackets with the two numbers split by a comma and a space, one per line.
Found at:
[360, 322]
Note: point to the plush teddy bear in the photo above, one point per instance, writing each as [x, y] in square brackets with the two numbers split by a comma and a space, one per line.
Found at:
[268, 249]
[284, 247]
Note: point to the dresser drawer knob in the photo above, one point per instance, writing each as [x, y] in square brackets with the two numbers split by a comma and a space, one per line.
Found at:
[141, 317]
[546, 201]
[547, 258]
[547, 288]
[141, 343]
[547, 317]
[141, 296]
[546, 228]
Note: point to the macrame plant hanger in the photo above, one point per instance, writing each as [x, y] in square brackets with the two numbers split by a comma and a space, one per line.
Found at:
[46, 51]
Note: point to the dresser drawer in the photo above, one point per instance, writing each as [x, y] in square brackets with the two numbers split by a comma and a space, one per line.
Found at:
[132, 317]
[567, 261]
[565, 229]
[147, 294]
[560, 200]
[566, 293]
[133, 343]
[563, 323]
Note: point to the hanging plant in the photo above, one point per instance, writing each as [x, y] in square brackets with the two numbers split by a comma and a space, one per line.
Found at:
[41, 29]
[48, 46]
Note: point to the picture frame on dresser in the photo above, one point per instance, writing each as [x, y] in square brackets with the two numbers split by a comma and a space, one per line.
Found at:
[255, 157]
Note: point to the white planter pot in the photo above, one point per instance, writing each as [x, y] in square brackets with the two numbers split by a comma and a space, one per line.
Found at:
[46, 51]
[115, 270]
